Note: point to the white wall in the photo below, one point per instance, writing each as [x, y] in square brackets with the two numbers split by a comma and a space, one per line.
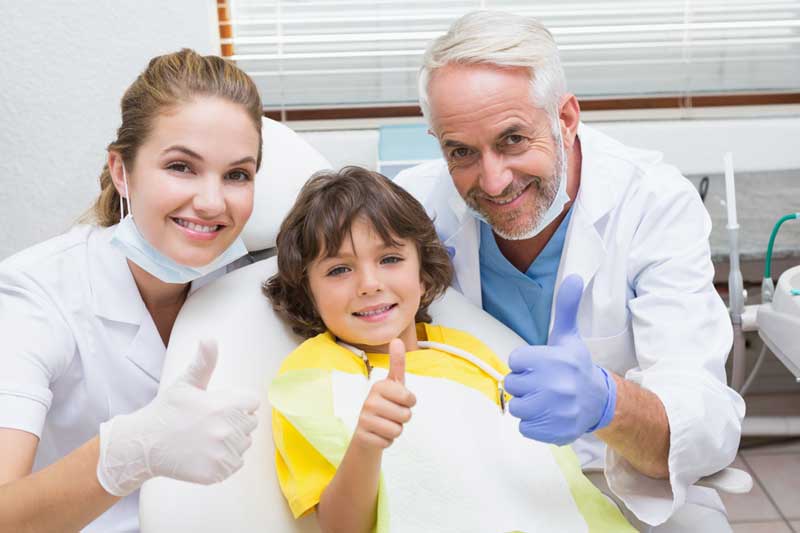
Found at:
[63, 70]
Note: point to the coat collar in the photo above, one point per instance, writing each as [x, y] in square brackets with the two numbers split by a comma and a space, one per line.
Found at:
[115, 295]
[584, 249]
[599, 192]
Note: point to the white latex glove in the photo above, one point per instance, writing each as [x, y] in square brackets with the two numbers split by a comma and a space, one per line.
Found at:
[185, 433]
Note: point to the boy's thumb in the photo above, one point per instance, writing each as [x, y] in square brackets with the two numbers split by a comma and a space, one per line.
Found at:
[397, 361]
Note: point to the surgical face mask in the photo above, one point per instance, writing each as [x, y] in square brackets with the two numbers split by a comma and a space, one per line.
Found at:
[560, 199]
[132, 243]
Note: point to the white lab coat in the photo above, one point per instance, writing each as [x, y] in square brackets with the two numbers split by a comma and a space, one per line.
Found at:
[79, 347]
[638, 236]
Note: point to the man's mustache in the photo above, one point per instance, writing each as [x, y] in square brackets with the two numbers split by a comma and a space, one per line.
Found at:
[513, 188]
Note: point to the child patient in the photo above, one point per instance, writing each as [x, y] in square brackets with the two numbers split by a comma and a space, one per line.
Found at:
[359, 263]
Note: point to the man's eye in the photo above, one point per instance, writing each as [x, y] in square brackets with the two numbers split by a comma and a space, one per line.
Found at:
[391, 259]
[239, 175]
[179, 167]
[514, 139]
[337, 271]
[459, 153]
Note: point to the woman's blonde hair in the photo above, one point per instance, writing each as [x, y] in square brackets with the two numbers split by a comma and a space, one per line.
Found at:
[169, 80]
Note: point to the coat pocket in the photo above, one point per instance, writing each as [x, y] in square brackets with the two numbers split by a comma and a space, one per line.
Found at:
[616, 352]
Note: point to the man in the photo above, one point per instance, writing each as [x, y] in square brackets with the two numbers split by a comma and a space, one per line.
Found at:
[528, 199]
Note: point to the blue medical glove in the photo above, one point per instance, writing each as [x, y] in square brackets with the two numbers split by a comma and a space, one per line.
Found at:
[559, 393]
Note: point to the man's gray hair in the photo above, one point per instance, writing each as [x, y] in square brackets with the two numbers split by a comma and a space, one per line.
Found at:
[502, 39]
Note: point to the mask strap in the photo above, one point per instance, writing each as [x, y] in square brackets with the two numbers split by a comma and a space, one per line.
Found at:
[558, 138]
[127, 196]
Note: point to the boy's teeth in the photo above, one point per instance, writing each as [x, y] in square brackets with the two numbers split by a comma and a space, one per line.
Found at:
[196, 227]
[374, 311]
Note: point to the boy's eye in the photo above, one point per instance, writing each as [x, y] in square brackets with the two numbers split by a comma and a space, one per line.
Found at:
[239, 175]
[337, 271]
[391, 259]
[179, 166]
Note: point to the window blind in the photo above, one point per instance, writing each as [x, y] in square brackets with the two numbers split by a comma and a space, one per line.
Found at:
[328, 53]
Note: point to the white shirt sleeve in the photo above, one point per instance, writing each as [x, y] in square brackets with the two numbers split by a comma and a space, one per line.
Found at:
[682, 336]
[37, 345]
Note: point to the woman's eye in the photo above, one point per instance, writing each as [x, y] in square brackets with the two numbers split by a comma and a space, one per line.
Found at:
[239, 175]
[391, 259]
[338, 271]
[179, 167]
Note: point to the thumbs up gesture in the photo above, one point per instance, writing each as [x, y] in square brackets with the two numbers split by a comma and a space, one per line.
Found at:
[559, 393]
[388, 405]
[186, 432]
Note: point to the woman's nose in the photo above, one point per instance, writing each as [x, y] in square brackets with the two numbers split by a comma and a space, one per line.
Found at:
[210, 198]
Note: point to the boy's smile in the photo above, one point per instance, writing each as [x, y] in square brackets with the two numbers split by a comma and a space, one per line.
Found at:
[368, 292]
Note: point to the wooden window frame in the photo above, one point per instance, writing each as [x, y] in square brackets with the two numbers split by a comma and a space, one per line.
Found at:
[606, 104]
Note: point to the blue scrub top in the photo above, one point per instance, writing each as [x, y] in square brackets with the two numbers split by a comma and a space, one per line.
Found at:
[521, 300]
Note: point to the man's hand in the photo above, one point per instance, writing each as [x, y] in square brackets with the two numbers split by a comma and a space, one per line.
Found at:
[559, 393]
[388, 405]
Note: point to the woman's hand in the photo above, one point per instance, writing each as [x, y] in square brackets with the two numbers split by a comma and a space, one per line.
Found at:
[388, 405]
[185, 433]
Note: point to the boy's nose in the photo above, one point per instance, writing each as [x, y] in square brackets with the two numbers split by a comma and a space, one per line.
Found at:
[368, 283]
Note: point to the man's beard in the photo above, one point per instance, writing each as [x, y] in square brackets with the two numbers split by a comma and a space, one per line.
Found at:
[518, 224]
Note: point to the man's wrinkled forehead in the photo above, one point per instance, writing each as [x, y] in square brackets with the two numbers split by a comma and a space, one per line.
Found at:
[463, 97]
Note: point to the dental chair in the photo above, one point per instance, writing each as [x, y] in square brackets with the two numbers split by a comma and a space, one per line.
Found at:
[253, 341]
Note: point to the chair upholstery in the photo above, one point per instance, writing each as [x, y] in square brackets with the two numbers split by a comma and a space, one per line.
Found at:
[253, 341]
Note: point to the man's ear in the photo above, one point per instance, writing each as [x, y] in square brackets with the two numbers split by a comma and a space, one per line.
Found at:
[115, 169]
[569, 116]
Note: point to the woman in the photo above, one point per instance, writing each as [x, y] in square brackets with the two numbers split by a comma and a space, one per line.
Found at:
[85, 317]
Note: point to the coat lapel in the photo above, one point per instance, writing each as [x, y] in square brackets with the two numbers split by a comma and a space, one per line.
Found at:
[116, 300]
[584, 246]
[464, 247]
[463, 244]
[583, 252]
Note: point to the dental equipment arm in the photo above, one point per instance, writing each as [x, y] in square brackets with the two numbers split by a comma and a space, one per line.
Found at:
[736, 294]
[767, 285]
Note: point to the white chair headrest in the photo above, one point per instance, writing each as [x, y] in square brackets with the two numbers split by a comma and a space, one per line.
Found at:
[286, 164]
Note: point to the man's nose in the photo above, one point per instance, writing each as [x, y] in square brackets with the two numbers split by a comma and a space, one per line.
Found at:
[209, 200]
[495, 174]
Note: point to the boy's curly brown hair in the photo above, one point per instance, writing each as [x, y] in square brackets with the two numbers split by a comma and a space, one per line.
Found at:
[320, 221]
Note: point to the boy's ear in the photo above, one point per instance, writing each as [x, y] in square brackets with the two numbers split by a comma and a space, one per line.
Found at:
[424, 290]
